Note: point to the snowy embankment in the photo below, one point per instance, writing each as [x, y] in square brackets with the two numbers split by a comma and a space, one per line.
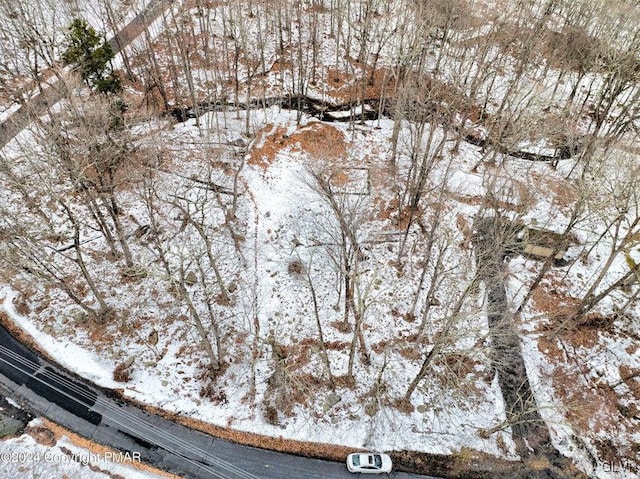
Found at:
[41, 452]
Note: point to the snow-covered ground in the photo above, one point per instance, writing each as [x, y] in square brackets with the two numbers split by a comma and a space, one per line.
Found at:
[38, 453]
[279, 253]
[288, 221]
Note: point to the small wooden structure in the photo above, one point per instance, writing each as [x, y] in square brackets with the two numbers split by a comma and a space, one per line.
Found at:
[543, 243]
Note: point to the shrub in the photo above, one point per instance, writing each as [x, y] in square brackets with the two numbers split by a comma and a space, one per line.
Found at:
[122, 373]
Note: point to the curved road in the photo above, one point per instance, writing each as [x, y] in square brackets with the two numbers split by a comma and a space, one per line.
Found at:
[84, 409]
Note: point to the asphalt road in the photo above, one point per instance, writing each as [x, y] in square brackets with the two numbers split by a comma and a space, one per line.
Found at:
[48, 391]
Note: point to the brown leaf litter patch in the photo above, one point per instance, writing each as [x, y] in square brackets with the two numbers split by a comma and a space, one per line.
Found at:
[386, 207]
[594, 408]
[389, 210]
[465, 226]
[272, 142]
[631, 377]
[281, 65]
[577, 337]
[361, 83]
[42, 435]
[562, 311]
[381, 169]
[589, 408]
[460, 365]
[550, 348]
[318, 140]
[564, 194]
[341, 177]
[321, 141]
[410, 347]
[591, 404]
[555, 304]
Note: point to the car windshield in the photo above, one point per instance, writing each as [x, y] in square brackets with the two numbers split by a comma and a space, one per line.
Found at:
[367, 461]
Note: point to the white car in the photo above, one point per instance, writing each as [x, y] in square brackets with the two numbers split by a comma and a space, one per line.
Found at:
[369, 463]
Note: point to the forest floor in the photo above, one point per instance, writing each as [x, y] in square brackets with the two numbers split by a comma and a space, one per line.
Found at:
[282, 216]
[282, 267]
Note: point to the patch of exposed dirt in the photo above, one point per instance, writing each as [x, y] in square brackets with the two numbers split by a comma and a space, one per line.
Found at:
[318, 140]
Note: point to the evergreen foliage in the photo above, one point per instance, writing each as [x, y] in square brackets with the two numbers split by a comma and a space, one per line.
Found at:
[92, 56]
